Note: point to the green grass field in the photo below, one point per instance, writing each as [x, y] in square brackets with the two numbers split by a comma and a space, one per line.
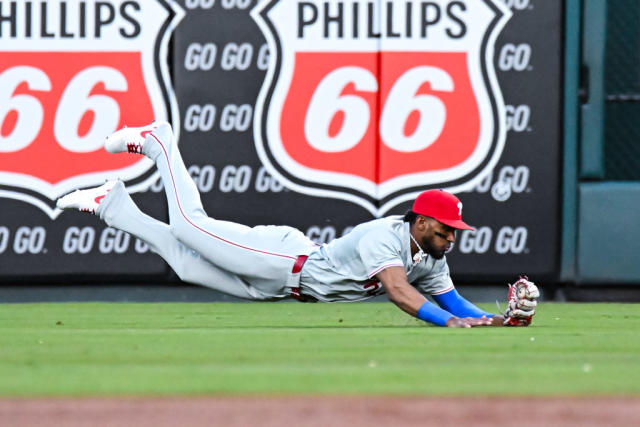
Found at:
[294, 348]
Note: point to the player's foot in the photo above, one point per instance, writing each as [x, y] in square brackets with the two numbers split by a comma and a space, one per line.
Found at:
[86, 200]
[134, 139]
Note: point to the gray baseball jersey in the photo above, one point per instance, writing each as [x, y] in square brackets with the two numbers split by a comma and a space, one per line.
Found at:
[263, 262]
[345, 269]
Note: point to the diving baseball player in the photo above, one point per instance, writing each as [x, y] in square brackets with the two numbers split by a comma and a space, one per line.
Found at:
[402, 256]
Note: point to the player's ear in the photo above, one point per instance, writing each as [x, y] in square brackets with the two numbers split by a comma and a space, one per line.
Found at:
[429, 223]
[422, 222]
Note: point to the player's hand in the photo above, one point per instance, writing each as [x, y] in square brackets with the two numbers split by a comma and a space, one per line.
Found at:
[497, 320]
[522, 302]
[468, 322]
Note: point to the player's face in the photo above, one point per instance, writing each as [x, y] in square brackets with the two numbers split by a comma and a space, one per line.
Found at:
[438, 239]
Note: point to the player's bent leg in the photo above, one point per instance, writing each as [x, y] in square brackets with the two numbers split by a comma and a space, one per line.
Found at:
[264, 253]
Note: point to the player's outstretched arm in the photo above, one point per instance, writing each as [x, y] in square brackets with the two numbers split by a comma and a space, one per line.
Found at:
[408, 299]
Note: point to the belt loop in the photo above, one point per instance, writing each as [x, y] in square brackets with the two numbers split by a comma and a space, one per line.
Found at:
[297, 267]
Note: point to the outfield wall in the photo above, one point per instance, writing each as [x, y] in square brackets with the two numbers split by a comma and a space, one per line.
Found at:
[316, 114]
[600, 165]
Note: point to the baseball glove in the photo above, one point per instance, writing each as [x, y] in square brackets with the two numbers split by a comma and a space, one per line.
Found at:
[522, 301]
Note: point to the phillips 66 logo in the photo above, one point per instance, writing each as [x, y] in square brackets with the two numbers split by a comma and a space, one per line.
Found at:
[373, 102]
[71, 74]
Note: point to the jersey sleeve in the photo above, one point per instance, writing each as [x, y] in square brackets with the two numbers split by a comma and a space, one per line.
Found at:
[437, 281]
[380, 249]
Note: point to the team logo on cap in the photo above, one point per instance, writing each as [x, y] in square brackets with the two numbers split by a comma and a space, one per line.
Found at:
[374, 101]
[71, 74]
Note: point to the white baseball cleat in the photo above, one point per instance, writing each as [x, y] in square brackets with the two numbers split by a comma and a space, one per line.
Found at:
[86, 200]
[131, 140]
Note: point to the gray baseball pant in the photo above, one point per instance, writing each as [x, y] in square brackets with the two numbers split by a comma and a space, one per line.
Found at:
[248, 262]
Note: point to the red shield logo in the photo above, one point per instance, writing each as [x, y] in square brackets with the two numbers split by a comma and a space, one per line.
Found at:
[373, 102]
[85, 70]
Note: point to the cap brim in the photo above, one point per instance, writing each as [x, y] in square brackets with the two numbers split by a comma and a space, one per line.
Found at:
[456, 223]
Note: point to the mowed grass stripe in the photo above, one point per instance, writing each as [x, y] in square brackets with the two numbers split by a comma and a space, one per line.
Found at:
[293, 348]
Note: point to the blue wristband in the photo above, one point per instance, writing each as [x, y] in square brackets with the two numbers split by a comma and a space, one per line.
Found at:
[455, 304]
[430, 313]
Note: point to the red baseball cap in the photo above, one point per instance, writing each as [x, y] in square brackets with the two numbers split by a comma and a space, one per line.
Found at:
[441, 206]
